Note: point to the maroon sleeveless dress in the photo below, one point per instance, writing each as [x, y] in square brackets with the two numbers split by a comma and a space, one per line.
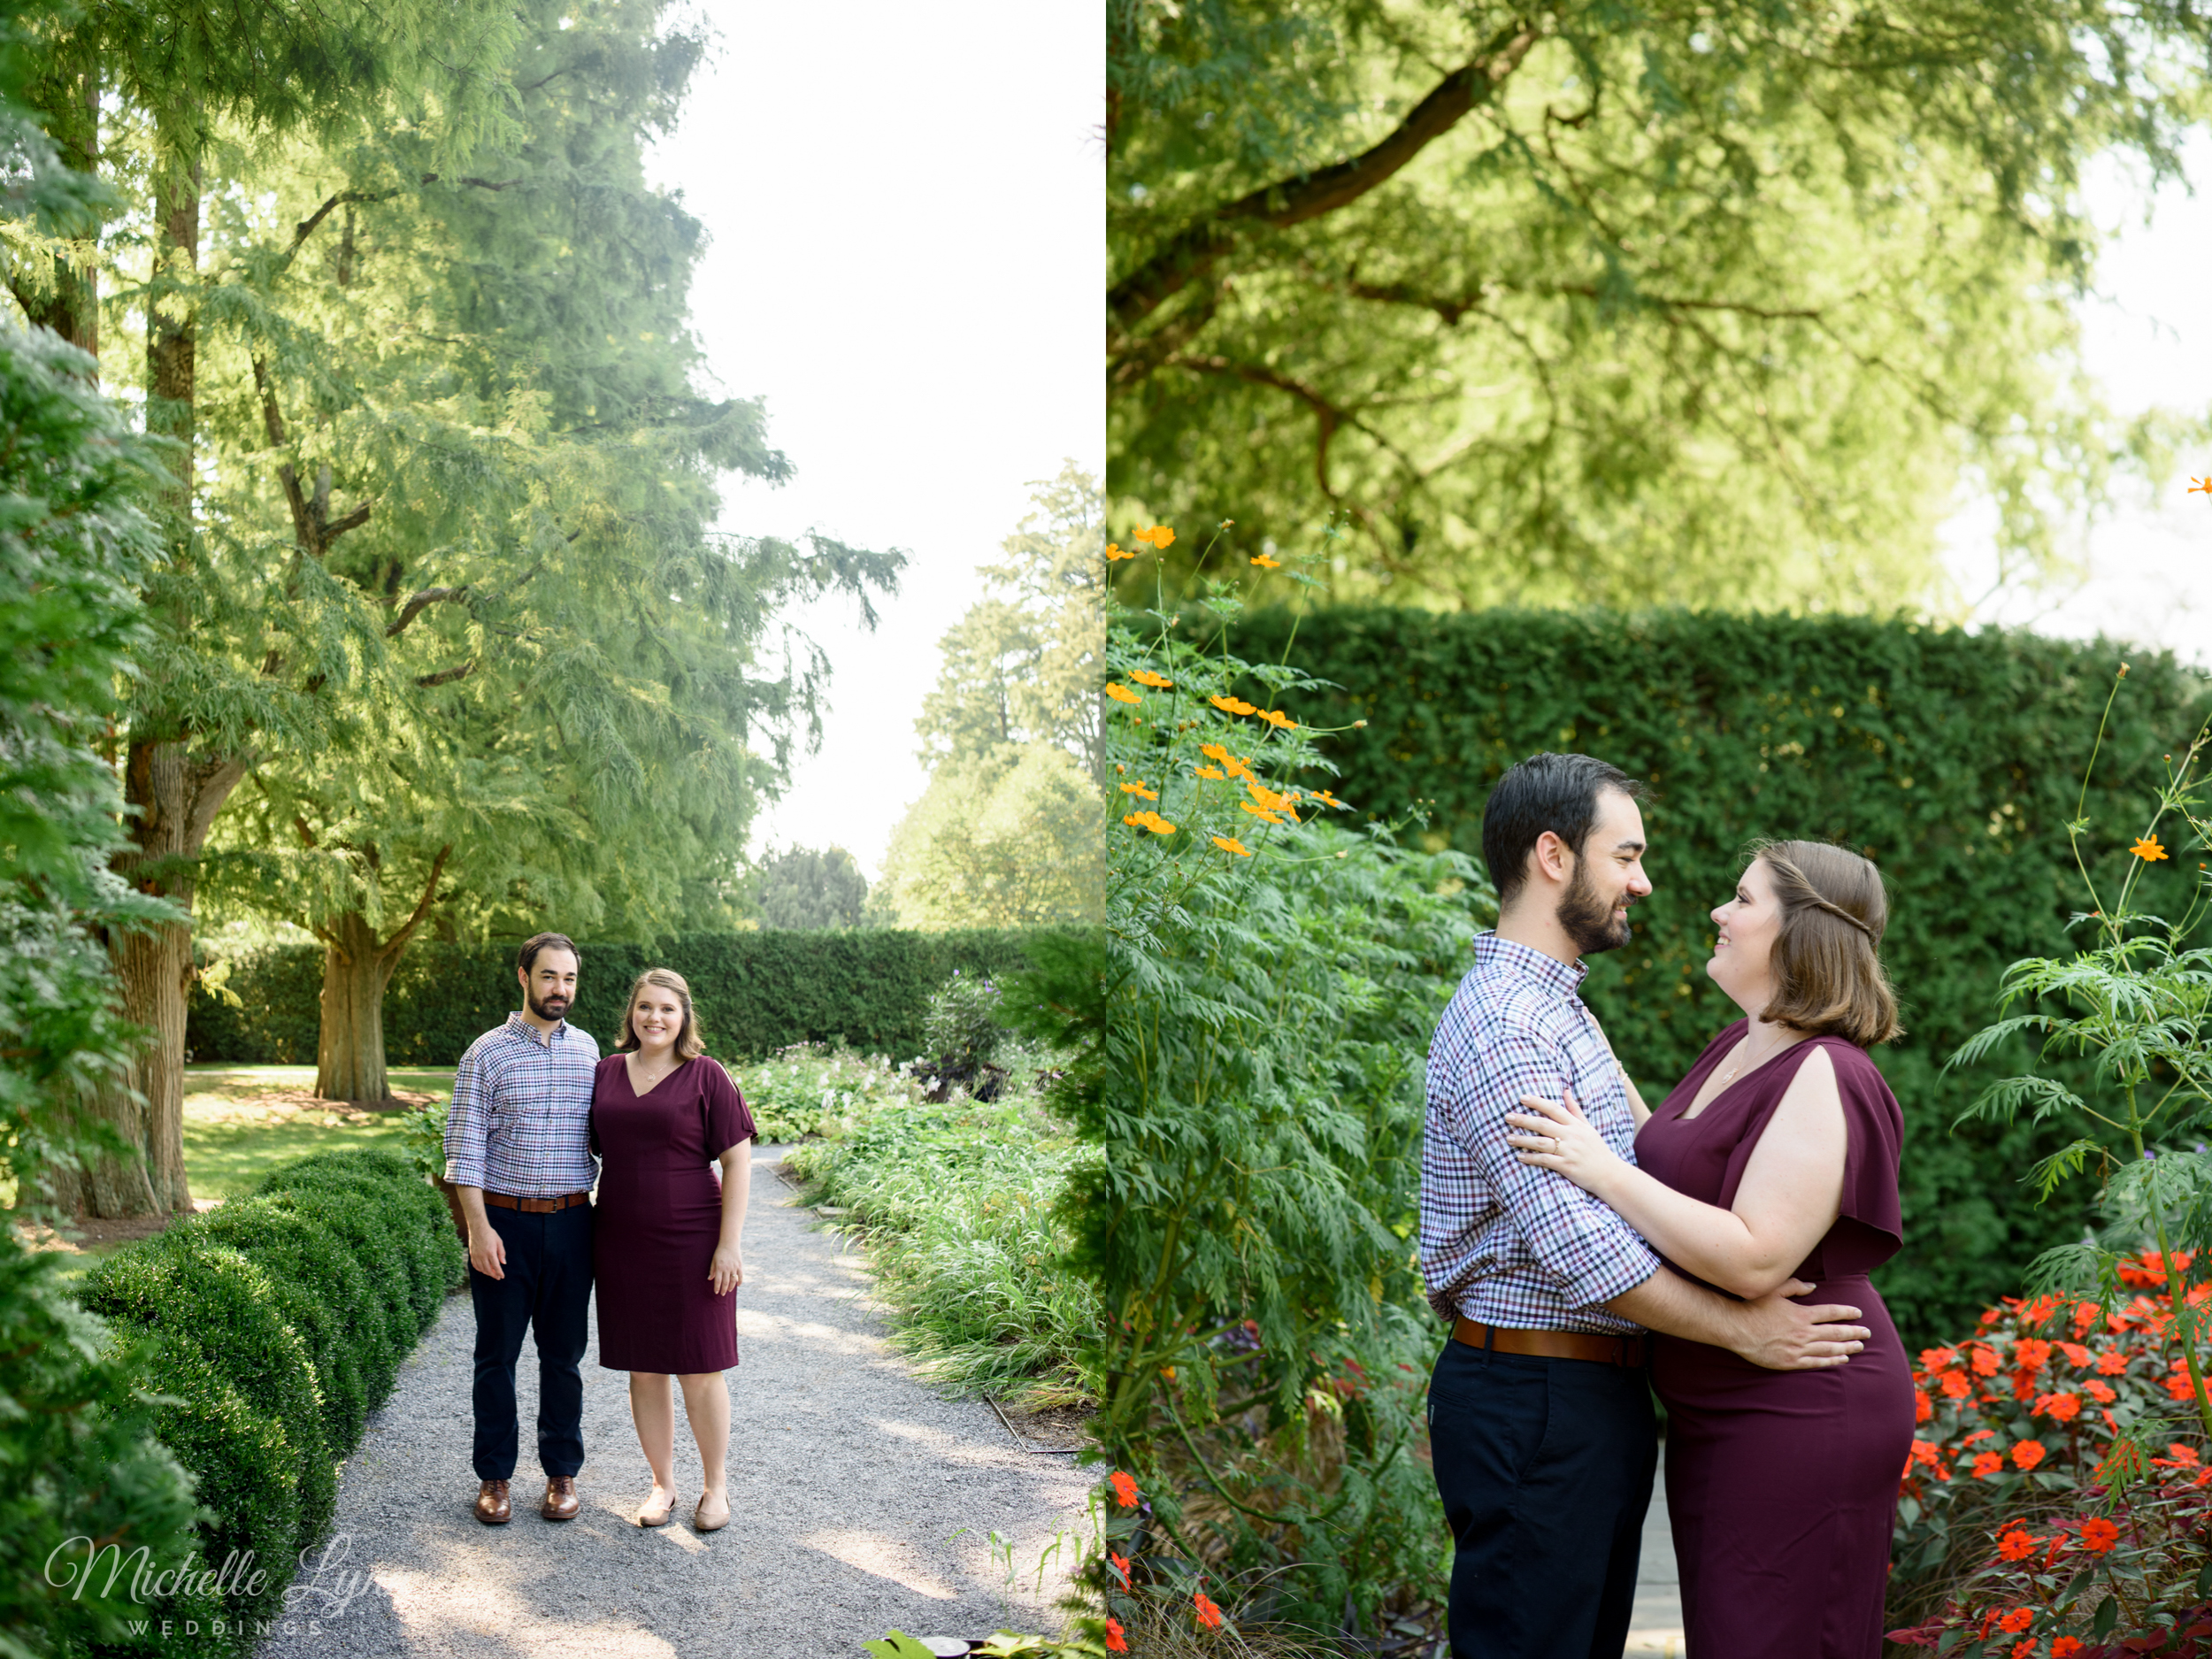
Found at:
[659, 1216]
[1782, 1485]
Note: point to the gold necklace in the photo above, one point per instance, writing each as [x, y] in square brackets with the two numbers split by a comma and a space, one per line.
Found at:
[1729, 1075]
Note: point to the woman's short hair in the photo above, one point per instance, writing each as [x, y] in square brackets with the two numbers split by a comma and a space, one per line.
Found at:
[1826, 963]
[689, 1044]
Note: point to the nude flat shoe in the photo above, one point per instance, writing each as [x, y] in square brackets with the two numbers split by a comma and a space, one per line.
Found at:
[650, 1517]
[701, 1523]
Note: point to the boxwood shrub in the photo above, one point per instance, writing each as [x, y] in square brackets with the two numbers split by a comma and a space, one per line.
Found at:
[277, 1323]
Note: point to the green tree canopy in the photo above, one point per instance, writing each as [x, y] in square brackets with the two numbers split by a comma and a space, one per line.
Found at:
[1720, 302]
[1008, 832]
[809, 888]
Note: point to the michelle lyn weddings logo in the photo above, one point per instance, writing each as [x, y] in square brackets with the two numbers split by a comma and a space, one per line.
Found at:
[326, 1586]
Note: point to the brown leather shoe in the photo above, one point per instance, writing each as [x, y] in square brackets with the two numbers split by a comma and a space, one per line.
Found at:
[492, 1507]
[561, 1502]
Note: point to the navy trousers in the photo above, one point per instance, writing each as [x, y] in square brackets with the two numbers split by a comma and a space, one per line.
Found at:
[1545, 1469]
[548, 1291]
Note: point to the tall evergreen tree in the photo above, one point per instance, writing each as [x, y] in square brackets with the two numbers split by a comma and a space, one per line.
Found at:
[565, 718]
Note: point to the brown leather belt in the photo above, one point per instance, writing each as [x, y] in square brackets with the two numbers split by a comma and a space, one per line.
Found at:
[537, 1206]
[1606, 1350]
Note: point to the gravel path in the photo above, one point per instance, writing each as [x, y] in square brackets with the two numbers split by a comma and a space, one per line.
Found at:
[863, 1501]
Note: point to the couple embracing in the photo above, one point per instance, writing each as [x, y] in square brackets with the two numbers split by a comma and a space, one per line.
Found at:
[1590, 1252]
[538, 1120]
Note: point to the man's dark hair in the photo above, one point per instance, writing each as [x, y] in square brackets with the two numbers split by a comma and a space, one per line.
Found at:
[526, 957]
[1558, 793]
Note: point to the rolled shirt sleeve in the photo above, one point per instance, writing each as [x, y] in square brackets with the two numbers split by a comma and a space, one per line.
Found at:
[1582, 1245]
[467, 1121]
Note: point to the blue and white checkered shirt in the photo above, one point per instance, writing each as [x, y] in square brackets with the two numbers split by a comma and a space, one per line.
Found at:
[1512, 1246]
[520, 1120]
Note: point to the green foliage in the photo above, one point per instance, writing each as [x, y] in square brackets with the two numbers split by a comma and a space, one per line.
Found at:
[1713, 302]
[1953, 760]
[962, 1035]
[755, 992]
[1250, 1107]
[78, 1462]
[278, 1321]
[803, 888]
[813, 1089]
[959, 1204]
[1007, 834]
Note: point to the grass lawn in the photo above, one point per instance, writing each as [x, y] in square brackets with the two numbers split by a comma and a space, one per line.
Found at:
[240, 1121]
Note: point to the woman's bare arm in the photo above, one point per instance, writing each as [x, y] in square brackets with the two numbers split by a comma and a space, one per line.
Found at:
[727, 1272]
[1790, 1195]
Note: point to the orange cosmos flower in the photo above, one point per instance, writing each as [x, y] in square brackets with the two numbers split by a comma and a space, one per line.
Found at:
[1124, 1489]
[1327, 799]
[1158, 534]
[2027, 1455]
[2099, 1535]
[1140, 791]
[1114, 554]
[1116, 1641]
[1277, 718]
[1230, 844]
[1146, 677]
[1213, 772]
[1209, 1614]
[1121, 694]
[1271, 818]
[2148, 850]
[1151, 821]
[2199, 486]
[1233, 705]
[1265, 563]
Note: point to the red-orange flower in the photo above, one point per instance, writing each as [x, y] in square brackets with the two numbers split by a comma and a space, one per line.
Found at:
[1985, 1360]
[2028, 1454]
[2031, 1355]
[2111, 1362]
[1120, 1563]
[2016, 1621]
[2099, 1535]
[2065, 1647]
[2103, 1394]
[2182, 1456]
[1923, 1408]
[1987, 1463]
[2077, 1353]
[1116, 1641]
[1956, 1385]
[1124, 1489]
[1209, 1614]
[2015, 1545]
[1937, 1358]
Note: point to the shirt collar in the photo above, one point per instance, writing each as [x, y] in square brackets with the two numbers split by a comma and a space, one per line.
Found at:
[1528, 963]
[529, 1032]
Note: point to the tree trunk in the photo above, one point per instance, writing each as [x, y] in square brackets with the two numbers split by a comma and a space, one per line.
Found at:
[350, 1049]
[357, 967]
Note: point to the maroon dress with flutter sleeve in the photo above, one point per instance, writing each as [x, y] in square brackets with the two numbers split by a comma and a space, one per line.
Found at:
[1782, 1485]
[659, 1216]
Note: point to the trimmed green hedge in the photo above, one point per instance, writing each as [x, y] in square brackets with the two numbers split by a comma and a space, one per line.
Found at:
[756, 993]
[1952, 759]
[280, 1320]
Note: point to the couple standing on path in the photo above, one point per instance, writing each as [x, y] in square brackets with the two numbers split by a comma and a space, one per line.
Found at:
[1588, 1251]
[537, 1120]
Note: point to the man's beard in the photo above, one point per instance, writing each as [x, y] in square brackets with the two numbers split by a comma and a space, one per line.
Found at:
[1587, 916]
[552, 1008]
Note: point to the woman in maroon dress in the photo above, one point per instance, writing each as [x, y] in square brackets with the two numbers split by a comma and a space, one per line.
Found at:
[667, 1260]
[1775, 1158]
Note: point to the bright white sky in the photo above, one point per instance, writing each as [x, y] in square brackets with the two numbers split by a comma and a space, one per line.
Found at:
[907, 207]
[2147, 337]
[907, 211]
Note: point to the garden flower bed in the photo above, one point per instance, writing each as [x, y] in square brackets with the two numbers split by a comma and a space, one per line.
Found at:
[2057, 1502]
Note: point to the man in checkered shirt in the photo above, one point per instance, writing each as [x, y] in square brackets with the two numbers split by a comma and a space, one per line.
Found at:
[1540, 1415]
[518, 1150]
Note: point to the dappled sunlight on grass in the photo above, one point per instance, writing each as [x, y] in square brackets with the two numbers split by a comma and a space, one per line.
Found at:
[240, 1121]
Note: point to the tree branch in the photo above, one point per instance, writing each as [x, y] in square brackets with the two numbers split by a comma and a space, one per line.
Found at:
[397, 942]
[1192, 250]
[447, 676]
[419, 602]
